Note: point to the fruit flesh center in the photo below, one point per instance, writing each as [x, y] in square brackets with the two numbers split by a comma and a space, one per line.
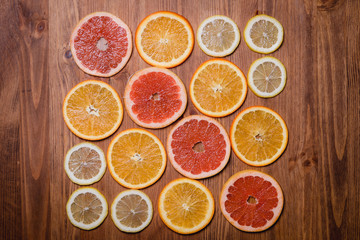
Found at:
[86, 208]
[218, 35]
[102, 44]
[267, 77]
[85, 163]
[132, 211]
[264, 34]
[198, 147]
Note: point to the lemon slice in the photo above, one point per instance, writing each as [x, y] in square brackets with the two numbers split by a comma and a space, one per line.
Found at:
[263, 34]
[267, 77]
[218, 36]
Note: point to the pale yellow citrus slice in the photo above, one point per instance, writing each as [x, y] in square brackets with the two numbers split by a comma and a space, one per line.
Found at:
[258, 136]
[136, 158]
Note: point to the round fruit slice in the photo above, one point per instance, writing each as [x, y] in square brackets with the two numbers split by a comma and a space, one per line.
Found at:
[92, 110]
[136, 158]
[131, 211]
[218, 36]
[258, 136]
[101, 44]
[263, 34]
[85, 163]
[198, 147]
[155, 97]
[251, 201]
[218, 88]
[86, 208]
[267, 77]
[164, 39]
[186, 206]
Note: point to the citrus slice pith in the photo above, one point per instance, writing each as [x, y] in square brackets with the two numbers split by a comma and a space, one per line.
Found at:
[263, 34]
[136, 158]
[218, 36]
[164, 39]
[186, 206]
[131, 211]
[101, 44]
[258, 136]
[218, 88]
[251, 201]
[92, 110]
[85, 163]
[266, 77]
[86, 208]
[155, 97]
[198, 147]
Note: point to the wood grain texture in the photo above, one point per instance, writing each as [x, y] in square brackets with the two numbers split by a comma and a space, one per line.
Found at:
[319, 171]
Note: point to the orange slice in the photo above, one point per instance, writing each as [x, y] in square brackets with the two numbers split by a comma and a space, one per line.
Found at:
[218, 88]
[92, 110]
[136, 158]
[258, 136]
[164, 39]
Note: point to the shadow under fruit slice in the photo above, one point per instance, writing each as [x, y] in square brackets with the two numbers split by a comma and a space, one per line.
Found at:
[101, 44]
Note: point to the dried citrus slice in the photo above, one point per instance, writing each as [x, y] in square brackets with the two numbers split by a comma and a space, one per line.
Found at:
[164, 39]
[251, 201]
[263, 34]
[136, 158]
[155, 97]
[85, 163]
[86, 208]
[218, 36]
[198, 147]
[218, 88]
[92, 110]
[101, 44]
[267, 77]
[186, 206]
[131, 211]
[258, 136]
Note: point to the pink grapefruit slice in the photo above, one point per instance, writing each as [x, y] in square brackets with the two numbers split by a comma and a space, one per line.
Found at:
[198, 147]
[155, 97]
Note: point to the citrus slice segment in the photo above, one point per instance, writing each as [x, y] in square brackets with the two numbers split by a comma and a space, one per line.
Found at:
[86, 208]
[155, 97]
[186, 206]
[136, 158]
[164, 39]
[263, 34]
[101, 44]
[198, 147]
[258, 136]
[218, 36]
[92, 110]
[85, 163]
[266, 77]
[131, 211]
[251, 201]
[218, 88]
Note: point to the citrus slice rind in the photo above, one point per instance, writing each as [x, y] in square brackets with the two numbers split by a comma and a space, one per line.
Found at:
[85, 163]
[147, 100]
[186, 206]
[136, 158]
[266, 77]
[258, 136]
[202, 163]
[218, 88]
[86, 208]
[244, 194]
[131, 211]
[218, 36]
[92, 110]
[263, 34]
[160, 34]
[109, 58]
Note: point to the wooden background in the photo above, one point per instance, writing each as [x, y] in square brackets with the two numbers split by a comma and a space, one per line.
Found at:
[319, 171]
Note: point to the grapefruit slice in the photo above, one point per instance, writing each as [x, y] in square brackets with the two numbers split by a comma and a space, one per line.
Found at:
[155, 97]
[101, 44]
[251, 201]
[198, 147]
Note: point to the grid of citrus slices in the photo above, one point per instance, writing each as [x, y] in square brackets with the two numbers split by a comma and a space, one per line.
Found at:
[197, 146]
